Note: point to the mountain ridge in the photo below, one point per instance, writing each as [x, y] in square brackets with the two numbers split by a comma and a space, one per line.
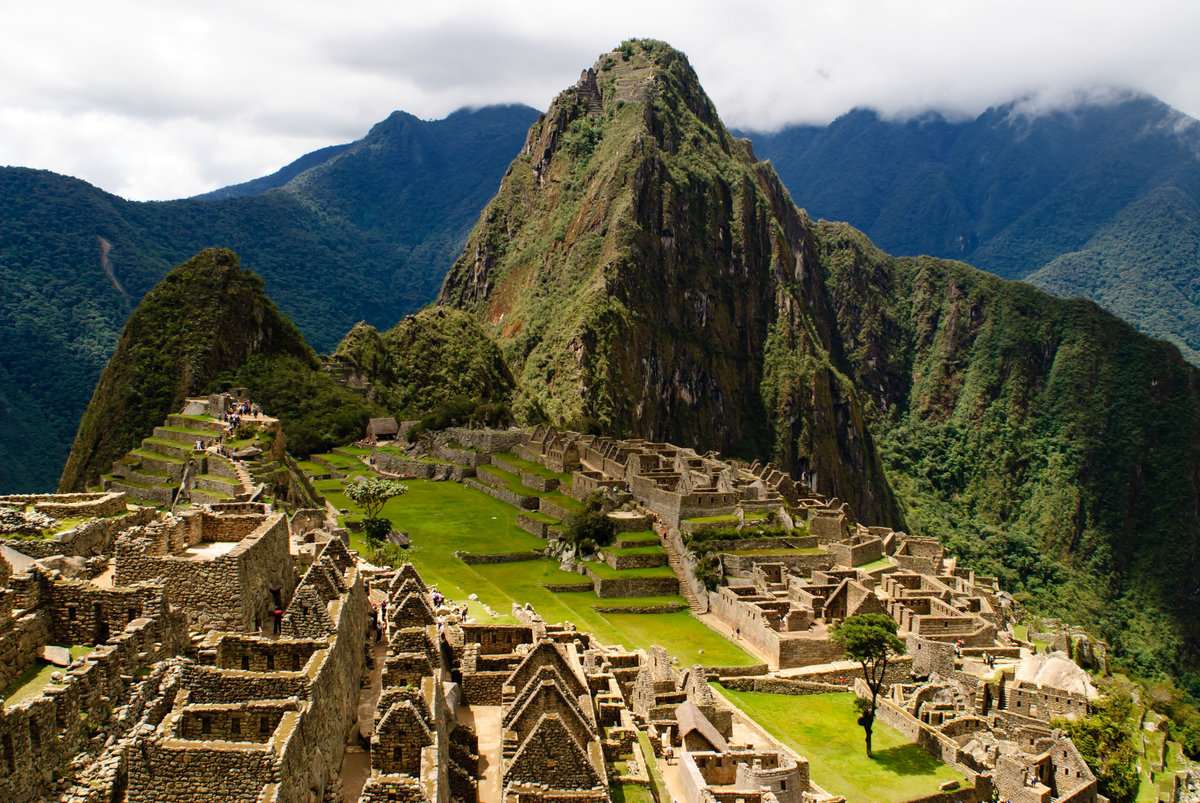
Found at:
[1017, 194]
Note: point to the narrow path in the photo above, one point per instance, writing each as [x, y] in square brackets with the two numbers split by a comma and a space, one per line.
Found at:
[243, 475]
[486, 720]
[676, 563]
[356, 766]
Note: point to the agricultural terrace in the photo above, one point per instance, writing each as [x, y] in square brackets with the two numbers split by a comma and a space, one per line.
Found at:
[442, 518]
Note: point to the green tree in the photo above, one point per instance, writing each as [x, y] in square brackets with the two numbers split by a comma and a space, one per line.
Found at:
[870, 639]
[371, 494]
[592, 524]
[1105, 740]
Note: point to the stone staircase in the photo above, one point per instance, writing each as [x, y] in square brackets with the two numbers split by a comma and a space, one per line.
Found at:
[151, 474]
[675, 561]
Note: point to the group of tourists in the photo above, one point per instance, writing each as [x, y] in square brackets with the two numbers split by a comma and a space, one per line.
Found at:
[378, 623]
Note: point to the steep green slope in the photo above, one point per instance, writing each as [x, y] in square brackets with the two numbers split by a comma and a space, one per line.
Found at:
[358, 232]
[1142, 267]
[206, 319]
[1046, 441]
[645, 274]
[1090, 201]
[426, 360]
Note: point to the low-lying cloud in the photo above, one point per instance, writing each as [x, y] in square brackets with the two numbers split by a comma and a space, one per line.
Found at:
[162, 100]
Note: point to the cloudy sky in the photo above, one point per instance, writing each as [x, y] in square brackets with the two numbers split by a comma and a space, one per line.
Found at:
[155, 100]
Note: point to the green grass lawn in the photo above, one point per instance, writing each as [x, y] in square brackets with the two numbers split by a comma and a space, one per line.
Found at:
[643, 537]
[882, 563]
[29, 684]
[822, 727]
[340, 461]
[536, 469]
[730, 518]
[444, 517]
[648, 549]
[630, 793]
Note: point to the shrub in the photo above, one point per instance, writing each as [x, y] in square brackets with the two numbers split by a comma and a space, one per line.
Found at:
[708, 571]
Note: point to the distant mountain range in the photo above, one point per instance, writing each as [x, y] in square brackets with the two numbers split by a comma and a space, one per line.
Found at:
[363, 231]
[1101, 201]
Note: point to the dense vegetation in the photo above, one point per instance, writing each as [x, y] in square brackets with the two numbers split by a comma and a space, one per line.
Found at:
[1045, 441]
[357, 232]
[206, 327]
[427, 361]
[1098, 201]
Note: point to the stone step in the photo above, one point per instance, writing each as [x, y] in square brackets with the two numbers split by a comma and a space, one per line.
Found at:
[141, 474]
[209, 425]
[137, 492]
[181, 451]
[183, 434]
[153, 461]
[211, 482]
[202, 497]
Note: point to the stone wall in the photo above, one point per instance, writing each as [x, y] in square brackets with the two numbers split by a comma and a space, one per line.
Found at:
[845, 554]
[81, 613]
[41, 735]
[462, 457]
[621, 560]
[490, 441]
[551, 508]
[234, 591]
[504, 557]
[533, 526]
[334, 708]
[504, 495]
[20, 641]
[633, 586]
[70, 506]
[803, 563]
[782, 685]
[87, 539]
[936, 744]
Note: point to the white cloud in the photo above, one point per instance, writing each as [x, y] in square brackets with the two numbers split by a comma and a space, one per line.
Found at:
[164, 100]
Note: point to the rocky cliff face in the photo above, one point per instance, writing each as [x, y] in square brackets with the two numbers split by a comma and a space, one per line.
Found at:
[646, 275]
[205, 318]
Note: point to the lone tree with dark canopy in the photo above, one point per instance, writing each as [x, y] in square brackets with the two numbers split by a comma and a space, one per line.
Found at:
[371, 494]
[870, 639]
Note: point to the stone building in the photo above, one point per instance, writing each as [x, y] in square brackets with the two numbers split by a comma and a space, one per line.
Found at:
[256, 719]
[227, 570]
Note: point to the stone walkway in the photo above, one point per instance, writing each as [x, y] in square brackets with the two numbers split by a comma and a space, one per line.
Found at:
[486, 720]
[676, 563]
[356, 766]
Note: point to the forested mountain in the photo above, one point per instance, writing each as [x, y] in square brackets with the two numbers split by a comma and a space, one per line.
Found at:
[646, 276]
[1097, 201]
[363, 231]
